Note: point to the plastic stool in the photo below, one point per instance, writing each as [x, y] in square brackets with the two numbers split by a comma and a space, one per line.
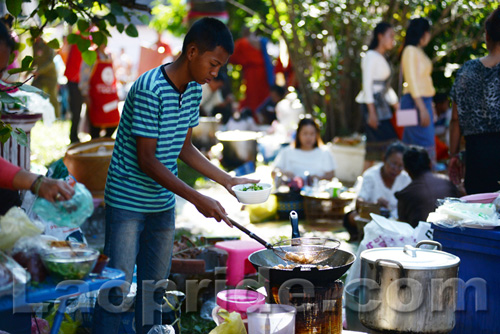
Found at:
[237, 261]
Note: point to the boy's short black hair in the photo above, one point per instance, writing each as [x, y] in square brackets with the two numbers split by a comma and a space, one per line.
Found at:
[207, 34]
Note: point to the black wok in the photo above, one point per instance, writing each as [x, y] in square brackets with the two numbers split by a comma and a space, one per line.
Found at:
[264, 260]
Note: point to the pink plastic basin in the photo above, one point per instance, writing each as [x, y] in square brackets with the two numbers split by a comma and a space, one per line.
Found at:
[239, 300]
[481, 198]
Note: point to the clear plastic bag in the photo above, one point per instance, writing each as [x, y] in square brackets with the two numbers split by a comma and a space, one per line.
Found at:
[26, 252]
[16, 224]
[452, 212]
[13, 277]
[71, 213]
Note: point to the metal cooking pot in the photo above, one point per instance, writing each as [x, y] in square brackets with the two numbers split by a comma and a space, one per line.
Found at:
[239, 147]
[408, 289]
[203, 135]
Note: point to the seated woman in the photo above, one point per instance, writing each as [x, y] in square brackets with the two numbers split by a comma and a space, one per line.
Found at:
[307, 156]
[418, 199]
[379, 185]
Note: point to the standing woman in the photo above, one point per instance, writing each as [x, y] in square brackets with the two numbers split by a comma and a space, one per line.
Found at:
[418, 89]
[476, 115]
[377, 96]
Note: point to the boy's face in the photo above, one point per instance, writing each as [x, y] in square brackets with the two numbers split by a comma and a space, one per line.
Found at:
[205, 67]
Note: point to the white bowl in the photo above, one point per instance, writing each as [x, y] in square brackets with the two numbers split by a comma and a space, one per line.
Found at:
[252, 196]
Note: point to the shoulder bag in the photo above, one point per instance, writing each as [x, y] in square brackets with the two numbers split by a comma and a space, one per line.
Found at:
[405, 117]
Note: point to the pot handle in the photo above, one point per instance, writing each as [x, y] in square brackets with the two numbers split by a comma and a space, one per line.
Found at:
[430, 242]
[377, 268]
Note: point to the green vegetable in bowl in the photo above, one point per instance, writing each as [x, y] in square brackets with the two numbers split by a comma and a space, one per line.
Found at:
[253, 187]
[75, 270]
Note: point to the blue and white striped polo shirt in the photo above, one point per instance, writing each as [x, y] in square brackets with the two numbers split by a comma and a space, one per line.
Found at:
[154, 108]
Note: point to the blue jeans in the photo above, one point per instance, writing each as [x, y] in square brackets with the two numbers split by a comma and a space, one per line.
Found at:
[148, 239]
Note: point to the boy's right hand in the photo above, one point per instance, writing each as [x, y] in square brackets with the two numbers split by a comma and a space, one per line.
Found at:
[211, 208]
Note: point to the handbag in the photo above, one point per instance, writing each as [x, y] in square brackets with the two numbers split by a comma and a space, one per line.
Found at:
[405, 117]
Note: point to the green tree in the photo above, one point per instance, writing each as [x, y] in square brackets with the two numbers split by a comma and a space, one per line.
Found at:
[326, 38]
[90, 19]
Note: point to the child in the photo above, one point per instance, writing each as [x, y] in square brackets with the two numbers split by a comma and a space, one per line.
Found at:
[155, 129]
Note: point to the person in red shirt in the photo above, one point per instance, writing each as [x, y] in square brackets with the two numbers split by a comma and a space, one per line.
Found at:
[72, 73]
[98, 88]
[258, 75]
[13, 177]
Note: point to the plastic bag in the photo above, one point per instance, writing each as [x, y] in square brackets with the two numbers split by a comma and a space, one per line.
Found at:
[16, 224]
[232, 323]
[383, 232]
[263, 211]
[13, 277]
[26, 252]
[71, 213]
[162, 329]
[68, 325]
[455, 213]
[39, 326]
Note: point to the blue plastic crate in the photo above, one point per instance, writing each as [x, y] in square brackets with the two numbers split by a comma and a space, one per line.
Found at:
[478, 307]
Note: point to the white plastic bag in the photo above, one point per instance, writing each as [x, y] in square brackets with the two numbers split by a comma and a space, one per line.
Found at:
[454, 213]
[162, 329]
[383, 232]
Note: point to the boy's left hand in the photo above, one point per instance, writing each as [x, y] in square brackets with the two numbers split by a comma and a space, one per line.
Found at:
[239, 180]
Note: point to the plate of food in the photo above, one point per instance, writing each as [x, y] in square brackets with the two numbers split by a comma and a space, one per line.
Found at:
[252, 193]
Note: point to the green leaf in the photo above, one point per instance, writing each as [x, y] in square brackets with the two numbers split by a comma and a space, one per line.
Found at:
[71, 18]
[20, 136]
[98, 37]
[89, 57]
[6, 98]
[144, 19]
[63, 12]
[111, 19]
[29, 41]
[131, 30]
[5, 134]
[14, 7]
[35, 32]
[72, 38]
[26, 62]
[120, 27]
[54, 44]
[83, 25]
[116, 9]
[83, 44]
[19, 70]
[33, 89]
[51, 15]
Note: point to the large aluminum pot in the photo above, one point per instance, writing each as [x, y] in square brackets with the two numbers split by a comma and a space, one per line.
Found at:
[408, 289]
[239, 147]
[203, 135]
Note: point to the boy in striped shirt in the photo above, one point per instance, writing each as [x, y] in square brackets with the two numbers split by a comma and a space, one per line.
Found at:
[155, 129]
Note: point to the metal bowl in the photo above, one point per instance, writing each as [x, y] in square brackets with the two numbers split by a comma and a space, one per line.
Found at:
[67, 263]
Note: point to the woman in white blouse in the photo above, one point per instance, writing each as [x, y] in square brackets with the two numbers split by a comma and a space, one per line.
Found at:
[380, 183]
[307, 156]
[377, 96]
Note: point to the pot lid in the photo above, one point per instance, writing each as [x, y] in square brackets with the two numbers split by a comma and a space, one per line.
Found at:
[411, 257]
